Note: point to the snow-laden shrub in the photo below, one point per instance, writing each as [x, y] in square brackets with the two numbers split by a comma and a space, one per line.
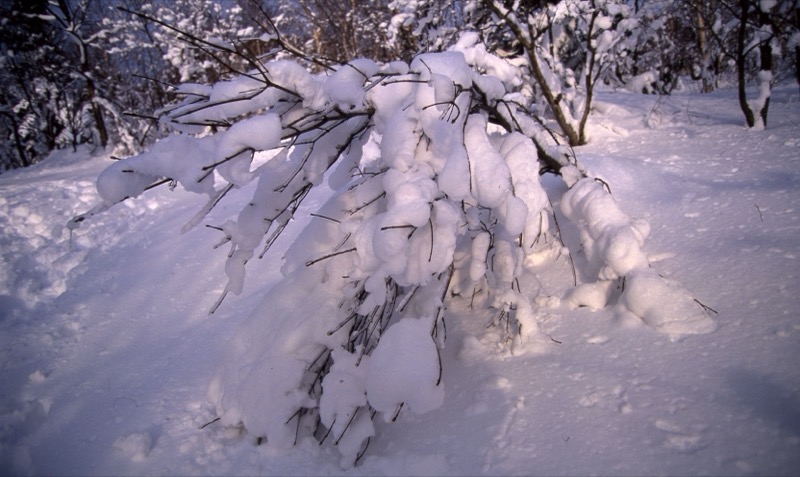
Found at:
[435, 172]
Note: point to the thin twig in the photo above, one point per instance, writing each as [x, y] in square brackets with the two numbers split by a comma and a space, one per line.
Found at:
[363, 451]
[397, 412]
[341, 324]
[330, 255]
[430, 255]
[325, 217]
[706, 307]
[209, 423]
[355, 413]
[219, 301]
[367, 204]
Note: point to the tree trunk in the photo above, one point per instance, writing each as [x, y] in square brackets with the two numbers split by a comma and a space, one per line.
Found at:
[765, 70]
[797, 47]
[702, 46]
[574, 137]
[590, 80]
[765, 51]
[85, 69]
[97, 114]
[744, 7]
[24, 161]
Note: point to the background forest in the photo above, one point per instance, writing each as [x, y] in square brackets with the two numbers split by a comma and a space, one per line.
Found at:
[99, 71]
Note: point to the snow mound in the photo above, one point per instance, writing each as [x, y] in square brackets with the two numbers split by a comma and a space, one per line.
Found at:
[343, 397]
[405, 370]
[259, 381]
[664, 304]
[592, 295]
[613, 244]
[612, 239]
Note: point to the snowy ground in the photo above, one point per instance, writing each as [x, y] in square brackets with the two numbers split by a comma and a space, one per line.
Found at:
[106, 347]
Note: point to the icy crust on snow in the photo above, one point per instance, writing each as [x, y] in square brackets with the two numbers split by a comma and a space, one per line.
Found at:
[613, 245]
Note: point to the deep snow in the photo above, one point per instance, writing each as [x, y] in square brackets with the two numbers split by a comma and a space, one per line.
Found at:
[106, 347]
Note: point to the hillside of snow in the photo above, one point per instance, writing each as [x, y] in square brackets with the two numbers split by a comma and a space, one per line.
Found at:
[107, 347]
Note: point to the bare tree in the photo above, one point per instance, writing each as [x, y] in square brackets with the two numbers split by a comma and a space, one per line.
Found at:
[338, 30]
[567, 47]
[747, 33]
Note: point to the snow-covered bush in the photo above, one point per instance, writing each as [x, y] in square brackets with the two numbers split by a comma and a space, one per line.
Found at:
[435, 172]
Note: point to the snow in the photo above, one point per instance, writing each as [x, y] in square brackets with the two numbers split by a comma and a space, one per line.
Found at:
[764, 91]
[643, 83]
[403, 370]
[107, 350]
[344, 86]
[136, 446]
[490, 175]
[767, 5]
[664, 304]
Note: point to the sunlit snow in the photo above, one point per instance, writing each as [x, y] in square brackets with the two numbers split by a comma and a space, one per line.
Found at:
[107, 349]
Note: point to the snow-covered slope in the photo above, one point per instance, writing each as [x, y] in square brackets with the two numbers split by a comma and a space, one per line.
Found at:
[106, 347]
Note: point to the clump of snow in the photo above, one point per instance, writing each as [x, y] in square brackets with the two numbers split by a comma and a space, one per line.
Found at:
[758, 103]
[345, 86]
[594, 295]
[642, 83]
[405, 370]
[135, 446]
[665, 305]
[767, 5]
[265, 363]
[343, 402]
[37, 376]
[491, 179]
[490, 66]
[450, 64]
[309, 87]
[611, 239]
[187, 160]
[613, 245]
[529, 205]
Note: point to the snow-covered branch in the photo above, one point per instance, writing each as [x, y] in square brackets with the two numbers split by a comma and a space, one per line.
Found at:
[435, 174]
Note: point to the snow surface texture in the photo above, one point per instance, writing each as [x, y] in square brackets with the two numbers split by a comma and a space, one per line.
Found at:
[107, 349]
